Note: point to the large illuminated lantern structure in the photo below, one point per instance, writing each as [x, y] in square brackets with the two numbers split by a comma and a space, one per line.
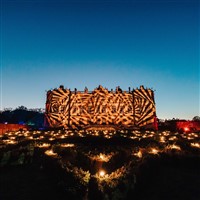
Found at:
[100, 108]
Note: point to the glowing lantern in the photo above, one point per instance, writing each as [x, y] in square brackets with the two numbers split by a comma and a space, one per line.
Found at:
[197, 145]
[162, 139]
[50, 153]
[67, 145]
[102, 173]
[44, 145]
[186, 129]
[154, 151]
[138, 154]
[173, 146]
[102, 157]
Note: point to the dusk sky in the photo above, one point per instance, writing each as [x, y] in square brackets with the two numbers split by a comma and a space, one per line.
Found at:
[48, 43]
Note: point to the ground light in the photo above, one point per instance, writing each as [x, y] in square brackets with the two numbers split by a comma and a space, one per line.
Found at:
[102, 173]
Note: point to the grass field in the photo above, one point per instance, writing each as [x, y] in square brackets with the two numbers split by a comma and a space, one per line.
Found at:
[68, 165]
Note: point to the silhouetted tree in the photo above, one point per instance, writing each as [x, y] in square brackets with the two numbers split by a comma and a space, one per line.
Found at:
[6, 116]
[196, 118]
[21, 108]
[21, 115]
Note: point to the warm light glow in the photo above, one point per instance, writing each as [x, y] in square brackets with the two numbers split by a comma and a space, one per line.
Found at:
[162, 139]
[102, 173]
[10, 142]
[174, 146]
[44, 145]
[67, 145]
[50, 153]
[103, 112]
[153, 151]
[138, 154]
[186, 129]
[197, 145]
[102, 156]
[173, 138]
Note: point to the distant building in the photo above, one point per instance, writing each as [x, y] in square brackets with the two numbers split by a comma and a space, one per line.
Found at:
[100, 107]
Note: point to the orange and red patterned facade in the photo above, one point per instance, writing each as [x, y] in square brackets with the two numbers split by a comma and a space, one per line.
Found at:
[80, 110]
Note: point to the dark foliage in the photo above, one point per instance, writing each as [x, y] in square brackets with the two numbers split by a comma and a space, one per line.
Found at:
[22, 115]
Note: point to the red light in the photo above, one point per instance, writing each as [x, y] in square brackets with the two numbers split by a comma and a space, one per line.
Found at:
[186, 129]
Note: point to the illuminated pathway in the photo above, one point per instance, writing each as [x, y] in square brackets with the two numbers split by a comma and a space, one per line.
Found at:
[108, 159]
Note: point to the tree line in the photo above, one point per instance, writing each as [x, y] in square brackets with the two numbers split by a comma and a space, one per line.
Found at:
[22, 115]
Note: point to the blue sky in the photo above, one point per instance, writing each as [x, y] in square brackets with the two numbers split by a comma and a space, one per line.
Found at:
[111, 43]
